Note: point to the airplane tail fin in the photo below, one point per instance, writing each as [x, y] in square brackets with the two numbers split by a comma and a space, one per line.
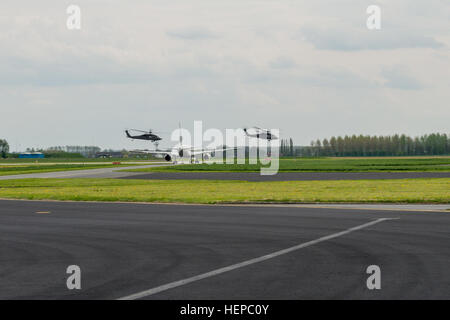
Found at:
[128, 134]
[181, 137]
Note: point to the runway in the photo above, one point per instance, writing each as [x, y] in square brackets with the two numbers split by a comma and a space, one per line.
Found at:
[127, 249]
[111, 172]
[285, 176]
[121, 173]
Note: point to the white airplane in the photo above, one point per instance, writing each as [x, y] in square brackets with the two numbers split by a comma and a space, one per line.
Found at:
[256, 132]
[181, 151]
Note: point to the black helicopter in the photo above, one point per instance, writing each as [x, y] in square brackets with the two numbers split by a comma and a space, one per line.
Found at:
[146, 135]
[259, 133]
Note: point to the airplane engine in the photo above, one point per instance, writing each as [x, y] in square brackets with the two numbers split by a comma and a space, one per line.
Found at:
[168, 157]
[181, 152]
[207, 156]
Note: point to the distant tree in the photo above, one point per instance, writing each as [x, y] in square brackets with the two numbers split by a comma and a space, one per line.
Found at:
[326, 147]
[291, 147]
[396, 145]
[4, 148]
[333, 146]
[318, 147]
[313, 148]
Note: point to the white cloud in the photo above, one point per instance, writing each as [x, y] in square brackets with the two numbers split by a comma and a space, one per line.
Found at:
[282, 63]
[351, 39]
[398, 78]
[192, 33]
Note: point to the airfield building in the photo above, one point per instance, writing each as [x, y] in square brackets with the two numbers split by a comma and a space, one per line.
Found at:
[31, 155]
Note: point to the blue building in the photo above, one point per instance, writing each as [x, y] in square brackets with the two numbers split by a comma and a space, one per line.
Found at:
[31, 155]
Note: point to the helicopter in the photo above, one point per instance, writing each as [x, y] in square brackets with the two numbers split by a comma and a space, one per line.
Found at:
[145, 135]
[259, 133]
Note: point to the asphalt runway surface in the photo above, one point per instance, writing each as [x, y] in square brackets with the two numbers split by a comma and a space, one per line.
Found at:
[285, 176]
[118, 172]
[111, 172]
[153, 251]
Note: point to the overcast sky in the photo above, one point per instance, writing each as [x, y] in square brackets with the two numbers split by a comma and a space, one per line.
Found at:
[310, 68]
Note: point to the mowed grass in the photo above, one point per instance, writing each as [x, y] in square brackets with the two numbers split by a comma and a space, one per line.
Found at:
[211, 192]
[324, 165]
[41, 168]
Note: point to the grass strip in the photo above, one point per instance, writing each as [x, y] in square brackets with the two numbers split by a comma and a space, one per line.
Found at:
[436, 190]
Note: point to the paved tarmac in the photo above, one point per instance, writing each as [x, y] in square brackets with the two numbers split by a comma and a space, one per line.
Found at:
[150, 251]
[111, 172]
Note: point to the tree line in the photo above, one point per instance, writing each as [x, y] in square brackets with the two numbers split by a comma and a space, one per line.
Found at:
[391, 145]
[4, 148]
[287, 148]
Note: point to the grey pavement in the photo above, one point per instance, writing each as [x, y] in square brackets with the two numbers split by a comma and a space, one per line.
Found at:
[111, 172]
[123, 249]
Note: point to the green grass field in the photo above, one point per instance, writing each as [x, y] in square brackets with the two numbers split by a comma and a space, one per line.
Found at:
[206, 191]
[325, 165]
[41, 168]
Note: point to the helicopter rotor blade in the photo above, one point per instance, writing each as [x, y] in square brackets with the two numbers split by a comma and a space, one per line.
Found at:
[139, 130]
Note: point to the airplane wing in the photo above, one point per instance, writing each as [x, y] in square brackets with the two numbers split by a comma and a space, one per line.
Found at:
[199, 151]
[151, 151]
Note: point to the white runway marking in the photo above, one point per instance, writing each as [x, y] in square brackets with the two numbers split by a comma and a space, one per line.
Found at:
[216, 272]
